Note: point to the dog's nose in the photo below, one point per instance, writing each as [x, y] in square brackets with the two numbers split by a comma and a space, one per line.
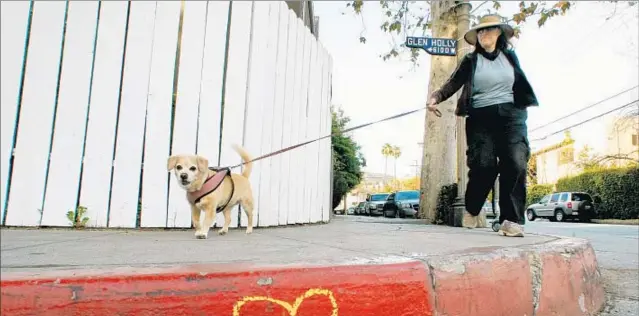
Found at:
[184, 176]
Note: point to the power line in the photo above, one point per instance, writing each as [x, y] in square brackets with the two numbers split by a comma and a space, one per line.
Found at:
[585, 121]
[582, 109]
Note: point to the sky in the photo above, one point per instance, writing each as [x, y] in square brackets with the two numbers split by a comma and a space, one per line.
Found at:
[573, 61]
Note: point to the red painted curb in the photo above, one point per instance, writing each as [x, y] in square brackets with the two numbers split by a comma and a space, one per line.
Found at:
[394, 289]
[556, 278]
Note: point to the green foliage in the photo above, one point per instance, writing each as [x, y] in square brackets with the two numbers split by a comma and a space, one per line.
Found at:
[536, 192]
[77, 217]
[445, 201]
[413, 18]
[347, 158]
[616, 187]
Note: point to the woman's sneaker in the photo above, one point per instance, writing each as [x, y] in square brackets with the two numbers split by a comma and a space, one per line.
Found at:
[511, 229]
[469, 221]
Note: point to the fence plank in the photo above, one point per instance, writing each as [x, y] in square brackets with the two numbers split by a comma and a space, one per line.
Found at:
[290, 123]
[315, 113]
[36, 114]
[63, 180]
[254, 101]
[326, 149]
[103, 112]
[184, 139]
[267, 214]
[303, 119]
[235, 94]
[129, 143]
[157, 137]
[278, 114]
[295, 203]
[310, 124]
[15, 22]
[105, 93]
[210, 118]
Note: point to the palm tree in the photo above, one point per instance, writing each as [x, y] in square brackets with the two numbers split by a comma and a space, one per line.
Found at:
[387, 150]
[396, 153]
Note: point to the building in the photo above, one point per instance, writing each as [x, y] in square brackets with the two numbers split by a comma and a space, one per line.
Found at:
[622, 142]
[556, 161]
[305, 11]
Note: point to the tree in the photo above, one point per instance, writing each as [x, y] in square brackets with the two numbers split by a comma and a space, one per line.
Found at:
[347, 157]
[387, 151]
[396, 153]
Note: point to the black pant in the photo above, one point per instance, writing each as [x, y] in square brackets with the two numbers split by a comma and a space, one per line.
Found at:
[497, 139]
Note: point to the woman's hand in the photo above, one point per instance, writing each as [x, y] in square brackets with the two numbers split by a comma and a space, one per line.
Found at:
[432, 106]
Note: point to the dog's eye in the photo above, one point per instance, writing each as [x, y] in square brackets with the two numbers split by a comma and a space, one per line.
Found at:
[193, 168]
[178, 167]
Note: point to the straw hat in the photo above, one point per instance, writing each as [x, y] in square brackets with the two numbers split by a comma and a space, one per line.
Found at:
[488, 21]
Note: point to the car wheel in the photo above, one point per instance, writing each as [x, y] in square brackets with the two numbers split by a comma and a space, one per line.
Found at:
[559, 216]
[530, 214]
[402, 214]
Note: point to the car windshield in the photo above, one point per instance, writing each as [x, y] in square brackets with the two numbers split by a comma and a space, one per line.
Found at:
[581, 197]
[379, 197]
[360, 204]
[407, 195]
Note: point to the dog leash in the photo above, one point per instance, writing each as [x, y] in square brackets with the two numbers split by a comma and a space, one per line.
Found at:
[435, 111]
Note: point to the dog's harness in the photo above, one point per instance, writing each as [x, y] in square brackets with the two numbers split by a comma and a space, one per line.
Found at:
[211, 184]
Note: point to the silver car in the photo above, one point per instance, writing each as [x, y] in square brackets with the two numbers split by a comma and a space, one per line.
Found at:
[488, 209]
[375, 204]
[560, 206]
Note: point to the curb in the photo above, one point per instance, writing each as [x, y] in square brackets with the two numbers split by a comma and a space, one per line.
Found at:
[556, 278]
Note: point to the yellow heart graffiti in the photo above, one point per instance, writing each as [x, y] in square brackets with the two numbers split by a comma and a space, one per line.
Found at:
[292, 309]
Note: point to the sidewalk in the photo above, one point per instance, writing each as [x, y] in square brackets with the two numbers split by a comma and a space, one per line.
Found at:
[352, 266]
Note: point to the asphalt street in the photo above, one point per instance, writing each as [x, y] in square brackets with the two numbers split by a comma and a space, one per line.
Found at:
[617, 248]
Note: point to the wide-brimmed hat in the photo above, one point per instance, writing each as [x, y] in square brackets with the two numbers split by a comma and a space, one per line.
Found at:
[488, 21]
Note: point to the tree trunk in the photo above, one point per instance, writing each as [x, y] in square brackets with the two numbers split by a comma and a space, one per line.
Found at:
[439, 151]
[385, 169]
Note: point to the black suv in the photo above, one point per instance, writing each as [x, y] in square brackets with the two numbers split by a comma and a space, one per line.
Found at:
[402, 204]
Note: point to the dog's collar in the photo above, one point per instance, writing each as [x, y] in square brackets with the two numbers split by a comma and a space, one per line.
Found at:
[210, 185]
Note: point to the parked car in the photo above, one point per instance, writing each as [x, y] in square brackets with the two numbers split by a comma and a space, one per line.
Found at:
[560, 206]
[488, 209]
[351, 210]
[402, 204]
[375, 204]
[339, 211]
[360, 208]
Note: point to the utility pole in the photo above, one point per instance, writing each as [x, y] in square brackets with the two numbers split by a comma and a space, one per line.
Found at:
[450, 20]
[463, 48]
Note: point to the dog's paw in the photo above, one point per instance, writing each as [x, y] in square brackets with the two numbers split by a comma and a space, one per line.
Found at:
[200, 235]
[249, 231]
[222, 232]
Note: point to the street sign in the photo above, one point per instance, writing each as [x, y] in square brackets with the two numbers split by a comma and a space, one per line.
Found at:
[433, 46]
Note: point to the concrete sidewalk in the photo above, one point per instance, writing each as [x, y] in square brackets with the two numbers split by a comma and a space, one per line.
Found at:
[363, 266]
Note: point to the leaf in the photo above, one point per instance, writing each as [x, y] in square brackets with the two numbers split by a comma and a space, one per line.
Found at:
[542, 19]
[496, 5]
[362, 39]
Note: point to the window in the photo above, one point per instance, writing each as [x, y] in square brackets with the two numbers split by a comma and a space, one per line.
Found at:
[391, 197]
[566, 155]
[379, 197]
[581, 197]
[408, 195]
[564, 197]
[635, 140]
[545, 199]
[554, 198]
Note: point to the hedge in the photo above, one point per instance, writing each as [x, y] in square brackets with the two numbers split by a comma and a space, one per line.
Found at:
[618, 189]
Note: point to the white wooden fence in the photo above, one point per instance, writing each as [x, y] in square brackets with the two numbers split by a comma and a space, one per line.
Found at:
[88, 117]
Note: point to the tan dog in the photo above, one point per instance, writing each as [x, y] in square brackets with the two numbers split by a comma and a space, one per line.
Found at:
[191, 171]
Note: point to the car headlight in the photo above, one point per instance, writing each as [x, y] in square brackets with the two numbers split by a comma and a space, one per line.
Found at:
[406, 205]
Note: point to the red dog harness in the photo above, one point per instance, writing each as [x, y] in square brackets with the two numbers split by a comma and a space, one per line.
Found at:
[211, 184]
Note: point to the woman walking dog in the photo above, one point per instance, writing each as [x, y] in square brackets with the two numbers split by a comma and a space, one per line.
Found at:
[494, 100]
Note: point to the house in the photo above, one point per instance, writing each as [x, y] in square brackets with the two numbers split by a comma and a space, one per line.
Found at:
[556, 161]
[622, 141]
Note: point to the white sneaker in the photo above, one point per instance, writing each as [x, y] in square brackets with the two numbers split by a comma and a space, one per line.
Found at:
[469, 221]
[510, 229]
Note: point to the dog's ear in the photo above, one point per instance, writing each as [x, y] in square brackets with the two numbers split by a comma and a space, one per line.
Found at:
[202, 163]
[171, 163]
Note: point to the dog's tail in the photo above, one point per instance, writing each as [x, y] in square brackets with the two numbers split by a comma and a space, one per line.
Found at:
[246, 158]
